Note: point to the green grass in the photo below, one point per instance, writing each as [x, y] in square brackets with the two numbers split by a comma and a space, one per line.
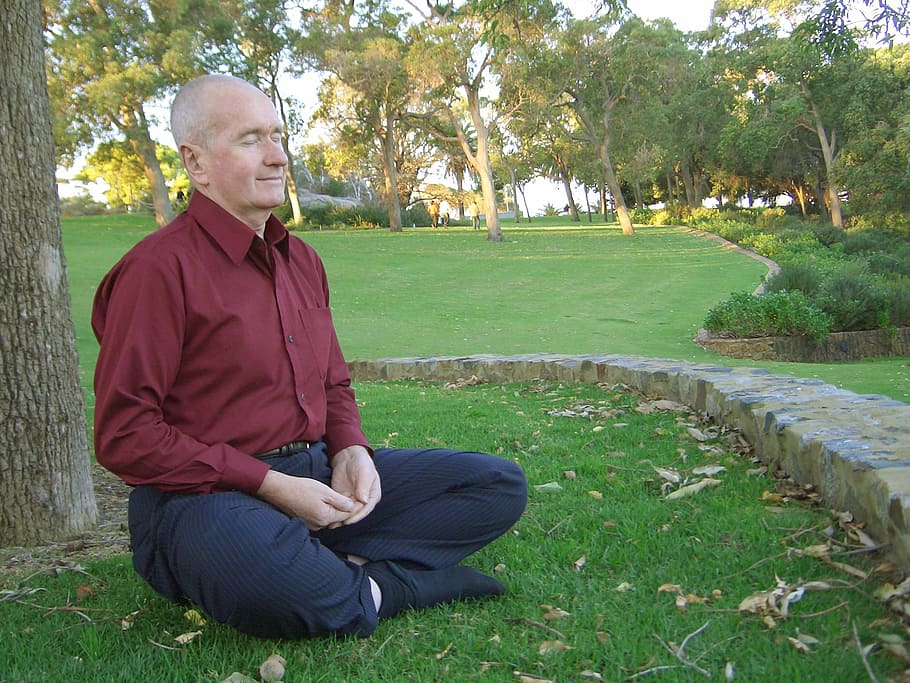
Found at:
[556, 288]
[565, 290]
[599, 547]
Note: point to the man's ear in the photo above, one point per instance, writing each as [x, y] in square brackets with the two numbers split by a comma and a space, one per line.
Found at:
[191, 156]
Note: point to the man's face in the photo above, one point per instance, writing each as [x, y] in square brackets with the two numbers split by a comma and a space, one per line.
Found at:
[241, 166]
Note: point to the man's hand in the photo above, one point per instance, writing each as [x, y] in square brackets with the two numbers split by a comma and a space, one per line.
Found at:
[312, 501]
[354, 475]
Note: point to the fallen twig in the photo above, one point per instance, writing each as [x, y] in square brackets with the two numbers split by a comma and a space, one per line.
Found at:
[536, 624]
[862, 654]
[164, 647]
[680, 652]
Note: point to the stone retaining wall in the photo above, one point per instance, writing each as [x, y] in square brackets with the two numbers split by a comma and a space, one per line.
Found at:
[855, 449]
[839, 346]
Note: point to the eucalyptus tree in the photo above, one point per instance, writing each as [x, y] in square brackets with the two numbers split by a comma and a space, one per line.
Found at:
[455, 52]
[115, 163]
[875, 158]
[108, 62]
[45, 478]
[352, 146]
[600, 71]
[361, 45]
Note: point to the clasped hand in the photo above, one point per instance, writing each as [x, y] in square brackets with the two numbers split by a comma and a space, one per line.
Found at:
[354, 492]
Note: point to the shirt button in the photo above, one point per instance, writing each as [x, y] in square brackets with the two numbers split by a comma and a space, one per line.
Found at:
[303, 397]
[290, 338]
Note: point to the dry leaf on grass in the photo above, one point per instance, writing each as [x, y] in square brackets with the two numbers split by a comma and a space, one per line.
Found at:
[272, 669]
[662, 405]
[551, 613]
[194, 617]
[549, 486]
[185, 638]
[667, 474]
[692, 489]
[552, 647]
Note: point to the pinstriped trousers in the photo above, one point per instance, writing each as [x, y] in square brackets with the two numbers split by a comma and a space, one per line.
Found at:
[249, 565]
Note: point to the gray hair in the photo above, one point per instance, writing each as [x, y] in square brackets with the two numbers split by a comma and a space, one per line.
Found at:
[190, 118]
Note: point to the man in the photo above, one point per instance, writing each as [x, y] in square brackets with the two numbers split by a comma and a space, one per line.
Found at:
[223, 397]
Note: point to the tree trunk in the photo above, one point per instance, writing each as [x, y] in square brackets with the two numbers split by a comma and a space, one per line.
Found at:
[524, 198]
[136, 129]
[45, 480]
[571, 209]
[829, 152]
[481, 163]
[293, 197]
[391, 175]
[692, 198]
[637, 196]
[622, 211]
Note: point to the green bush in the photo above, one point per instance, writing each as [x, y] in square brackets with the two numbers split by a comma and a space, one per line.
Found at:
[868, 241]
[415, 216]
[897, 302]
[828, 235]
[896, 263]
[796, 277]
[340, 218]
[853, 300]
[82, 205]
[732, 230]
[771, 218]
[773, 314]
[642, 215]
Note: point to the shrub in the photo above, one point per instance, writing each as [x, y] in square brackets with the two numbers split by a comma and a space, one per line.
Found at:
[828, 235]
[796, 277]
[895, 263]
[339, 218]
[732, 230]
[774, 314]
[771, 218]
[853, 300]
[642, 215]
[897, 302]
[415, 215]
[868, 241]
[81, 205]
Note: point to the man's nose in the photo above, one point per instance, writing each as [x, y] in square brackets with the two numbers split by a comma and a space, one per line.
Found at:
[276, 155]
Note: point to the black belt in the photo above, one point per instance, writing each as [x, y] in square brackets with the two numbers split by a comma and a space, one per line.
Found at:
[287, 449]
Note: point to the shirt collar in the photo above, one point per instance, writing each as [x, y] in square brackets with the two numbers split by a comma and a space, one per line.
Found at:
[232, 235]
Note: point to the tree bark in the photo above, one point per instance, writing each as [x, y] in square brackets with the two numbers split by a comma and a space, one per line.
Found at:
[387, 137]
[829, 152]
[566, 180]
[136, 129]
[481, 163]
[45, 480]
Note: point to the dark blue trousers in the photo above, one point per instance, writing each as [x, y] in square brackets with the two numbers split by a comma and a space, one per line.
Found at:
[249, 565]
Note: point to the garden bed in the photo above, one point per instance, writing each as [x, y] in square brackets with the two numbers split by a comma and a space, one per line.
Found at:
[838, 346]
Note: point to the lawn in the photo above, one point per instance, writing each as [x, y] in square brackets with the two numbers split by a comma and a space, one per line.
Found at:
[607, 573]
[617, 571]
[557, 288]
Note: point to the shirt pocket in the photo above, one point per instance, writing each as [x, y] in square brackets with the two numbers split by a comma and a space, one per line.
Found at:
[320, 335]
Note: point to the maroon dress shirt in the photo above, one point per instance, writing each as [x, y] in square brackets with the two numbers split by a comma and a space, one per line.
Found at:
[216, 345]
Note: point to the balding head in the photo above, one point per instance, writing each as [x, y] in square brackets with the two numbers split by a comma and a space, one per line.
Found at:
[192, 114]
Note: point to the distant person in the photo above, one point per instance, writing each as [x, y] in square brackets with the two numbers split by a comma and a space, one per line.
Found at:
[433, 211]
[223, 397]
[474, 213]
[444, 211]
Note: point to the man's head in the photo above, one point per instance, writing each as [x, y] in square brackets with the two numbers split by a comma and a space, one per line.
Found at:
[229, 138]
